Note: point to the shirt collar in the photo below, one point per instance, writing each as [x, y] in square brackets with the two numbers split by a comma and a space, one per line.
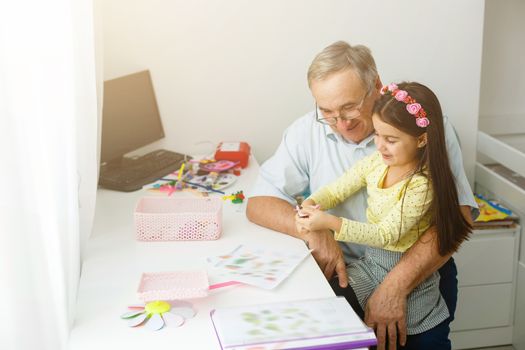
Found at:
[329, 132]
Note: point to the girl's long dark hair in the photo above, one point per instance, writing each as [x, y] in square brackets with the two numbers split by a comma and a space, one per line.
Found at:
[451, 226]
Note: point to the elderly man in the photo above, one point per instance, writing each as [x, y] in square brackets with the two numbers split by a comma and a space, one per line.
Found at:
[318, 148]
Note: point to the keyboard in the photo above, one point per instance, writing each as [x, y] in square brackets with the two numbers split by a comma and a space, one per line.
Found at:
[130, 174]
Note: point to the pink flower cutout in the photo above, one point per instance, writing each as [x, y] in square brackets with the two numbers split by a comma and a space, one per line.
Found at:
[383, 90]
[401, 95]
[413, 108]
[422, 122]
[392, 87]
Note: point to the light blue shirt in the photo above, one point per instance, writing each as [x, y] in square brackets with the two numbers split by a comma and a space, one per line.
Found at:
[312, 155]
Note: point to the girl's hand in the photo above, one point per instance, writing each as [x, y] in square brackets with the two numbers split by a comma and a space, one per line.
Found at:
[299, 224]
[306, 203]
[315, 220]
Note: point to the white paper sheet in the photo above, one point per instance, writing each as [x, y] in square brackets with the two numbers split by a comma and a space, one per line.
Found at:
[257, 266]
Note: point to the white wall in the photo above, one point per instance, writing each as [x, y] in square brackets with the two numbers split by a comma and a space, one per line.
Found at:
[236, 70]
[503, 72]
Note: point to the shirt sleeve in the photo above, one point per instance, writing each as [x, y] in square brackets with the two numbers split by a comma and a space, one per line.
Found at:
[351, 181]
[465, 195]
[396, 223]
[285, 174]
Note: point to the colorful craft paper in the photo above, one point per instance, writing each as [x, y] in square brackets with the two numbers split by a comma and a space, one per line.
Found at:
[257, 266]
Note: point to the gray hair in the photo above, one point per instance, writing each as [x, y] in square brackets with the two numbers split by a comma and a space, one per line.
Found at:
[340, 56]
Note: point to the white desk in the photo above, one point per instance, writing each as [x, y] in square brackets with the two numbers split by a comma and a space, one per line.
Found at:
[114, 262]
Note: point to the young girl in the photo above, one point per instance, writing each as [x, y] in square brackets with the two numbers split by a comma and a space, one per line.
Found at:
[410, 188]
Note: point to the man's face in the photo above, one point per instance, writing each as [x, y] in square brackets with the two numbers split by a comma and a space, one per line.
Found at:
[343, 94]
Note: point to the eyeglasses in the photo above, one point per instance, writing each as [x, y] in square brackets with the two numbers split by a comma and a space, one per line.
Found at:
[345, 113]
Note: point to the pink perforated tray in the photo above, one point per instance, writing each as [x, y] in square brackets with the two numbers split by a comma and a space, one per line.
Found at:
[173, 285]
[172, 219]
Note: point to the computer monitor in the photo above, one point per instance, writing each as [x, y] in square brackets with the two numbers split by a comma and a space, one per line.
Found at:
[130, 115]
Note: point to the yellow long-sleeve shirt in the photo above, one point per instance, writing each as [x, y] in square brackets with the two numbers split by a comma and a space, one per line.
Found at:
[386, 211]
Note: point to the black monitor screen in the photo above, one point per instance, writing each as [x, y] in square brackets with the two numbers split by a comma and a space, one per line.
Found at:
[130, 115]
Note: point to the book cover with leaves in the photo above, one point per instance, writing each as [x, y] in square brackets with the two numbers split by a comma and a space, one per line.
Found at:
[295, 324]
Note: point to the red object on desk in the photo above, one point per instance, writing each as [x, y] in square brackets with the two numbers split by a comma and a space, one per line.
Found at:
[234, 151]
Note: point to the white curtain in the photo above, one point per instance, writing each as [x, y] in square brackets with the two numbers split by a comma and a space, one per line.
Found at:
[48, 137]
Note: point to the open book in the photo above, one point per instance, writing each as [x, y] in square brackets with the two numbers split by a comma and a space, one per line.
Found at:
[328, 323]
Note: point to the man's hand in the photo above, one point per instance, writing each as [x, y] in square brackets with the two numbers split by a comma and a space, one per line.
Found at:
[328, 255]
[385, 311]
[279, 215]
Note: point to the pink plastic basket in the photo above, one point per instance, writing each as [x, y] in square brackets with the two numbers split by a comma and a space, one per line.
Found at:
[173, 285]
[174, 219]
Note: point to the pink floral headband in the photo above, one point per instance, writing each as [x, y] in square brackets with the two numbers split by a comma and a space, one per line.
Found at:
[413, 107]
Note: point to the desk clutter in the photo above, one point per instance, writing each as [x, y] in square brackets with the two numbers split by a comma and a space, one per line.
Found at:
[309, 324]
[208, 174]
[171, 219]
[163, 293]
[200, 177]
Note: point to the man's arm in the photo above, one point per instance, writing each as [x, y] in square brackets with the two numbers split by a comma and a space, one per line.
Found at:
[273, 213]
[279, 215]
[386, 307]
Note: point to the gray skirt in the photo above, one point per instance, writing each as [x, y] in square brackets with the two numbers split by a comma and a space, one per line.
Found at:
[426, 308]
